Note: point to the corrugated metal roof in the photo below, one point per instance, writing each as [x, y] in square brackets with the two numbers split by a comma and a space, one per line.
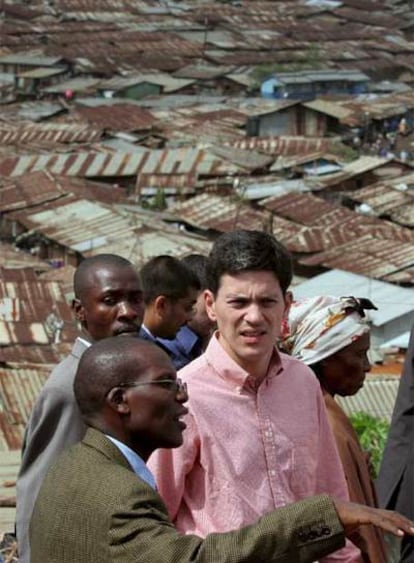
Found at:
[41, 72]
[392, 301]
[9, 468]
[27, 59]
[220, 213]
[19, 389]
[304, 208]
[91, 228]
[77, 84]
[49, 133]
[33, 311]
[367, 255]
[89, 164]
[11, 257]
[46, 357]
[392, 197]
[29, 190]
[286, 145]
[168, 83]
[122, 117]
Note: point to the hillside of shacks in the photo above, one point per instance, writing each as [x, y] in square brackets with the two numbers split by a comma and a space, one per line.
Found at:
[142, 128]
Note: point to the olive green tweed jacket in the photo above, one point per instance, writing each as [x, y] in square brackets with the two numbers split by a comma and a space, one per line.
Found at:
[92, 508]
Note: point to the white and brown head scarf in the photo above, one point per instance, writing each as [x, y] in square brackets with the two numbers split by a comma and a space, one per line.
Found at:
[318, 327]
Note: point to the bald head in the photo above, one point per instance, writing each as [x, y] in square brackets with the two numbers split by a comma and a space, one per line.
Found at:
[88, 267]
[109, 363]
[127, 388]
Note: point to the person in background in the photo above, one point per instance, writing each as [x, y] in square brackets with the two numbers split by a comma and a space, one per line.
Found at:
[170, 294]
[108, 301]
[98, 501]
[395, 482]
[192, 338]
[257, 433]
[331, 335]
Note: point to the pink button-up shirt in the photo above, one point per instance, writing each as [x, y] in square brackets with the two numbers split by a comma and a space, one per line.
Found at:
[248, 451]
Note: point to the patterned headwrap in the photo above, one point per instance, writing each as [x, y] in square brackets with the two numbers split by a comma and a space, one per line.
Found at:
[320, 326]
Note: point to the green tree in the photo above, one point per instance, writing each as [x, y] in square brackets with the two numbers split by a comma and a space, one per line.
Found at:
[372, 433]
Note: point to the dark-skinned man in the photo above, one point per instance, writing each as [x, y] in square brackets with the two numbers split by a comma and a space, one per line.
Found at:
[98, 501]
[108, 301]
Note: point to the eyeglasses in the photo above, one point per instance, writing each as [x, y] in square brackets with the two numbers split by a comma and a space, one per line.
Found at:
[174, 385]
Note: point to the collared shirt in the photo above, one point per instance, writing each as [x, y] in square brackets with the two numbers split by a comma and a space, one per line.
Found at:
[135, 461]
[185, 347]
[248, 450]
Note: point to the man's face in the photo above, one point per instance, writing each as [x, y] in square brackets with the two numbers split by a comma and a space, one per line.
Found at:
[112, 303]
[200, 323]
[248, 308]
[155, 409]
[344, 372]
[176, 313]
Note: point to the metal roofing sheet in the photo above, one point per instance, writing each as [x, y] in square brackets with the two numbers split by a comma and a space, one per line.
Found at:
[376, 398]
[29, 60]
[393, 197]
[366, 255]
[392, 301]
[41, 73]
[225, 214]
[11, 257]
[45, 357]
[125, 164]
[92, 228]
[122, 117]
[29, 190]
[19, 389]
[304, 208]
[285, 145]
[48, 132]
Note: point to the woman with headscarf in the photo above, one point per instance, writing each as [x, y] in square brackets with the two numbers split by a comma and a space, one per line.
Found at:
[331, 335]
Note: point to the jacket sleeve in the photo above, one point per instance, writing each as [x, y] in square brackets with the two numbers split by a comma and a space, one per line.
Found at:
[54, 424]
[301, 533]
[170, 467]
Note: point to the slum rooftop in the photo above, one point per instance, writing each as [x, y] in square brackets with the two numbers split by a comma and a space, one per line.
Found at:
[138, 127]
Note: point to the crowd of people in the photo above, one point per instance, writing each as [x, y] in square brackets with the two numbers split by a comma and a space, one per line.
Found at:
[244, 457]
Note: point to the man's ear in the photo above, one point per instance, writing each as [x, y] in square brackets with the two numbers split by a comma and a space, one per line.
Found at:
[210, 303]
[117, 400]
[78, 309]
[160, 305]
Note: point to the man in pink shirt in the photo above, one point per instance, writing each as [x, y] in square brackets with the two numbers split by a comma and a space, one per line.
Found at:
[257, 434]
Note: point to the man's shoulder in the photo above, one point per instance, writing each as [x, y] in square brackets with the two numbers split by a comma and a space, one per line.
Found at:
[195, 370]
[60, 380]
[297, 370]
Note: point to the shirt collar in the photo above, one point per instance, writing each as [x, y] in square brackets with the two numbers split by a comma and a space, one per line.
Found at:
[135, 461]
[147, 330]
[230, 370]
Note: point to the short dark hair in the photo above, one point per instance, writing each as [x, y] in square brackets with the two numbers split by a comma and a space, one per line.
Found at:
[106, 364]
[89, 265]
[165, 275]
[197, 263]
[243, 250]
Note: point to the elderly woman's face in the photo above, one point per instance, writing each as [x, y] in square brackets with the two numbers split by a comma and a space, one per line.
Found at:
[344, 372]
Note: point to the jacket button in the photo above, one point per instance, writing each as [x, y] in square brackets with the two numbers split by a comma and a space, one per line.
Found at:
[326, 531]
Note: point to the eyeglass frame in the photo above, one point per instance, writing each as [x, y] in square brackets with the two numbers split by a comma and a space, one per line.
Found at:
[178, 386]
